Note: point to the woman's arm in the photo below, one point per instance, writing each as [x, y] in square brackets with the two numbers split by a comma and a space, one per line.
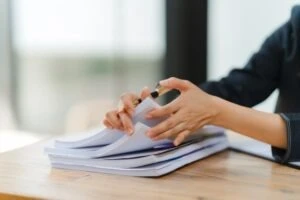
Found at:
[267, 127]
[194, 108]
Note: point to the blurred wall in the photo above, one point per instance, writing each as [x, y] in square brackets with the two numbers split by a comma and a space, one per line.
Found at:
[76, 57]
[237, 29]
[6, 117]
[4, 46]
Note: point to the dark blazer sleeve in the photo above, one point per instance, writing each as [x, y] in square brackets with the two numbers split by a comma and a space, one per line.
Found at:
[292, 120]
[292, 153]
[258, 79]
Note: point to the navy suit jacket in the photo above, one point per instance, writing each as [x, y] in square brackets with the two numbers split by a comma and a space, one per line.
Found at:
[275, 65]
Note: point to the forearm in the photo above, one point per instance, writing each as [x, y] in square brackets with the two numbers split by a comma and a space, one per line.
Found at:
[267, 127]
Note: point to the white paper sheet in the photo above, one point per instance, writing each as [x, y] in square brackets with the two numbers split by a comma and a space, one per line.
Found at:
[157, 169]
[101, 136]
[138, 141]
[142, 160]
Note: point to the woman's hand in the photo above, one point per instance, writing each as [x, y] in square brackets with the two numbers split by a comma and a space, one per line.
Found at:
[120, 118]
[190, 111]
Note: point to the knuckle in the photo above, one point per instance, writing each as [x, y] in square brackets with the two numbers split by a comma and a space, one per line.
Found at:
[190, 127]
[169, 123]
[166, 109]
[108, 114]
[186, 82]
[168, 134]
[172, 79]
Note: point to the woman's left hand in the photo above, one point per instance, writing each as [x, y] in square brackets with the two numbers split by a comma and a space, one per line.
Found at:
[191, 110]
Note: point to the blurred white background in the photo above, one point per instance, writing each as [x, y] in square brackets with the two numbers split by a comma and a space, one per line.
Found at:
[74, 58]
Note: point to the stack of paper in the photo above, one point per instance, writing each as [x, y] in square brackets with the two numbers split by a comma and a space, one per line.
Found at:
[112, 151]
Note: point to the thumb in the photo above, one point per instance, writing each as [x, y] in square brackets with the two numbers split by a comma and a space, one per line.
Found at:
[175, 83]
[145, 93]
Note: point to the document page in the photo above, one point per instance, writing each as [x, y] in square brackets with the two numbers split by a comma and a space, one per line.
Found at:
[104, 136]
[138, 141]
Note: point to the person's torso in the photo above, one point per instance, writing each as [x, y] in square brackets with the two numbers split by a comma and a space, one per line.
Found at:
[289, 83]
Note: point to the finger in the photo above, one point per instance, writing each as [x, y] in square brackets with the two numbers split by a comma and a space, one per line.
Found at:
[130, 112]
[175, 83]
[171, 132]
[113, 119]
[126, 122]
[145, 93]
[127, 102]
[166, 110]
[181, 137]
[162, 127]
[107, 124]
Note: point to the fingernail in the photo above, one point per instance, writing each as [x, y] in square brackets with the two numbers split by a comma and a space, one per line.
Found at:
[162, 82]
[130, 131]
[148, 116]
[149, 134]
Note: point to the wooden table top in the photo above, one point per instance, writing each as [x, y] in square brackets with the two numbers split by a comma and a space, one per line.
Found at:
[26, 173]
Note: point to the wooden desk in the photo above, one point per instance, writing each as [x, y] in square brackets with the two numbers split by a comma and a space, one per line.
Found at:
[26, 173]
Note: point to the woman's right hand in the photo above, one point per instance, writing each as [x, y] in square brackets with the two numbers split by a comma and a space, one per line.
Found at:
[121, 118]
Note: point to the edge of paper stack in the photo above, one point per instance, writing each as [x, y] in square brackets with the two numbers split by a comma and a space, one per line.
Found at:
[112, 151]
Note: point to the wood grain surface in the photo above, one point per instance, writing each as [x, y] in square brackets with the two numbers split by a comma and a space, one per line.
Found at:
[26, 174]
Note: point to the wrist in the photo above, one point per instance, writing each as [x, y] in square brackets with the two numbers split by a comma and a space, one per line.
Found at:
[219, 106]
